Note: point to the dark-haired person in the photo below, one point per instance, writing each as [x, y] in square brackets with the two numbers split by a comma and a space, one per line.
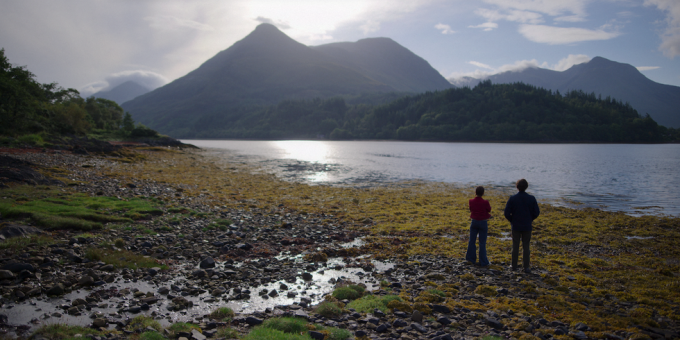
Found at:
[521, 210]
[479, 213]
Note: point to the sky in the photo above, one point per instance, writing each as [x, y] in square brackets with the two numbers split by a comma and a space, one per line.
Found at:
[92, 45]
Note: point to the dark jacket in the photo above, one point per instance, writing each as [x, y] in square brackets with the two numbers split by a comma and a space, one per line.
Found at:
[521, 210]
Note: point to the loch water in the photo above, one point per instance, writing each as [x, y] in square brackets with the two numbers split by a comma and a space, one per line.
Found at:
[637, 179]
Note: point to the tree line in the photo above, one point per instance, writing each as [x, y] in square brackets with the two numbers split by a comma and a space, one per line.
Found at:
[29, 107]
[487, 112]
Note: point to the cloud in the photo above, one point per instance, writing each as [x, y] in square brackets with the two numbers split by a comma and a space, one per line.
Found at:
[563, 35]
[446, 29]
[548, 7]
[478, 64]
[280, 24]
[647, 68]
[487, 26]
[370, 26]
[168, 23]
[148, 79]
[670, 39]
[510, 15]
[569, 61]
[518, 66]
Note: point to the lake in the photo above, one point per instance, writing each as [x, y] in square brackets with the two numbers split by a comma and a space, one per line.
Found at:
[637, 179]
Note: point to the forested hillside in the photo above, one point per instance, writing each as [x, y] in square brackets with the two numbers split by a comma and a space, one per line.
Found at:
[501, 112]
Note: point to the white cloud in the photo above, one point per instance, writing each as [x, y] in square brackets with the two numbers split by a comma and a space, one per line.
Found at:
[563, 35]
[446, 29]
[487, 26]
[548, 7]
[570, 18]
[464, 78]
[647, 68]
[370, 26]
[510, 15]
[280, 24]
[478, 64]
[168, 22]
[569, 61]
[670, 39]
[148, 79]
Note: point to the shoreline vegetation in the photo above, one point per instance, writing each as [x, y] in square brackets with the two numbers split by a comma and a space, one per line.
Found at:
[596, 274]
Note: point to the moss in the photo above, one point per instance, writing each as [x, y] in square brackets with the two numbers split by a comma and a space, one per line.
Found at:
[486, 290]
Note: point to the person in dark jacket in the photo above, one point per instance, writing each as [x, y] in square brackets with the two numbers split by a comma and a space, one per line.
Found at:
[521, 210]
[479, 213]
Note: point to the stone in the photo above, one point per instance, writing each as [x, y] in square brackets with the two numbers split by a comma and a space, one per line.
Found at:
[440, 309]
[207, 262]
[6, 274]
[493, 323]
[99, 322]
[253, 321]
[417, 316]
[399, 323]
[316, 335]
[418, 327]
[197, 335]
[444, 320]
[360, 333]
[307, 276]
[56, 290]
[382, 328]
[86, 281]
[17, 267]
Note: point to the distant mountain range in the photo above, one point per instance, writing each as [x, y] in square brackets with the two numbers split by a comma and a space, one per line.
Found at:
[123, 92]
[267, 66]
[606, 78]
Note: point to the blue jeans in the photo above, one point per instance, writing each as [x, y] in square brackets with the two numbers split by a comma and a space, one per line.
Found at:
[481, 228]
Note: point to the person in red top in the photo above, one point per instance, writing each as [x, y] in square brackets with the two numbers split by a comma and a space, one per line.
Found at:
[479, 213]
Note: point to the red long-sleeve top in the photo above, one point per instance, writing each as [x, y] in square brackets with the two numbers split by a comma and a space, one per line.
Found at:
[479, 209]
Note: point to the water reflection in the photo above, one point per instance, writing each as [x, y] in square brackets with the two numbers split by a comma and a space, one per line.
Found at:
[309, 151]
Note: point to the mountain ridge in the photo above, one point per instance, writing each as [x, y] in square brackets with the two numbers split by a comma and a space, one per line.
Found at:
[123, 92]
[266, 67]
[606, 78]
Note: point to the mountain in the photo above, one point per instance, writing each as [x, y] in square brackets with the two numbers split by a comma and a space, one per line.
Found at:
[267, 67]
[606, 78]
[123, 92]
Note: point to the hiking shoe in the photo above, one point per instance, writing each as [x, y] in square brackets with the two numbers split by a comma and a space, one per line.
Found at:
[511, 268]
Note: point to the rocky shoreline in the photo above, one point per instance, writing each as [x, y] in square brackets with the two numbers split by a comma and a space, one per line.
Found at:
[265, 263]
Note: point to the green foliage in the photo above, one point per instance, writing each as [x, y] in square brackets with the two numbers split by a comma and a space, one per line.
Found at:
[178, 327]
[222, 313]
[143, 322]
[262, 333]
[286, 324]
[370, 302]
[501, 112]
[348, 292]
[151, 336]
[63, 331]
[328, 309]
[122, 258]
[74, 211]
[28, 107]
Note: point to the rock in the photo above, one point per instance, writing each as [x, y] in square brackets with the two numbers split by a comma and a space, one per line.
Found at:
[578, 335]
[581, 327]
[197, 335]
[56, 290]
[316, 335]
[417, 316]
[360, 333]
[307, 276]
[199, 273]
[99, 322]
[399, 323]
[6, 274]
[382, 328]
[17, 230]
[163, 290]
[493, 323]
[253, 321]
[17, 267]
[441, 309]
[418, 327]
[244, 246]
[207, 262]
[444, 320]
[86, 281]
[108, 268]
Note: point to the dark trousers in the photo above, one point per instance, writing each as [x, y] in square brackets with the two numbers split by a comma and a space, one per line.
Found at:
[525, 237]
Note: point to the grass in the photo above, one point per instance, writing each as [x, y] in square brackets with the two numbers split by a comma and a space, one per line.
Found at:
[222, 313]
[350, 292]
[122, 258]
[17, 243]
[151, 336]
[328, 309]
[370, 302]
[143, 322]
[262, 333]
[62, 331]
[227, 333]
[286, 324]
[52, 209]
[177, 327]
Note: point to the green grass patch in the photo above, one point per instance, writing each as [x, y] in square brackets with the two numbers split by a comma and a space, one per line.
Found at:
[287, 324]
[222, 313]
[328, 309]
[227, 333]
[23, 242]
[52, 209]
[263, 333]
[143, 322]
[151, 336]
[122, 258]
[350, 292]
[177, 327]
[62, 331]
[370, 302]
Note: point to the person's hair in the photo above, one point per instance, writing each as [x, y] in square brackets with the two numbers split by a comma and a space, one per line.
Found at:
[479, 191]
[522, 185]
